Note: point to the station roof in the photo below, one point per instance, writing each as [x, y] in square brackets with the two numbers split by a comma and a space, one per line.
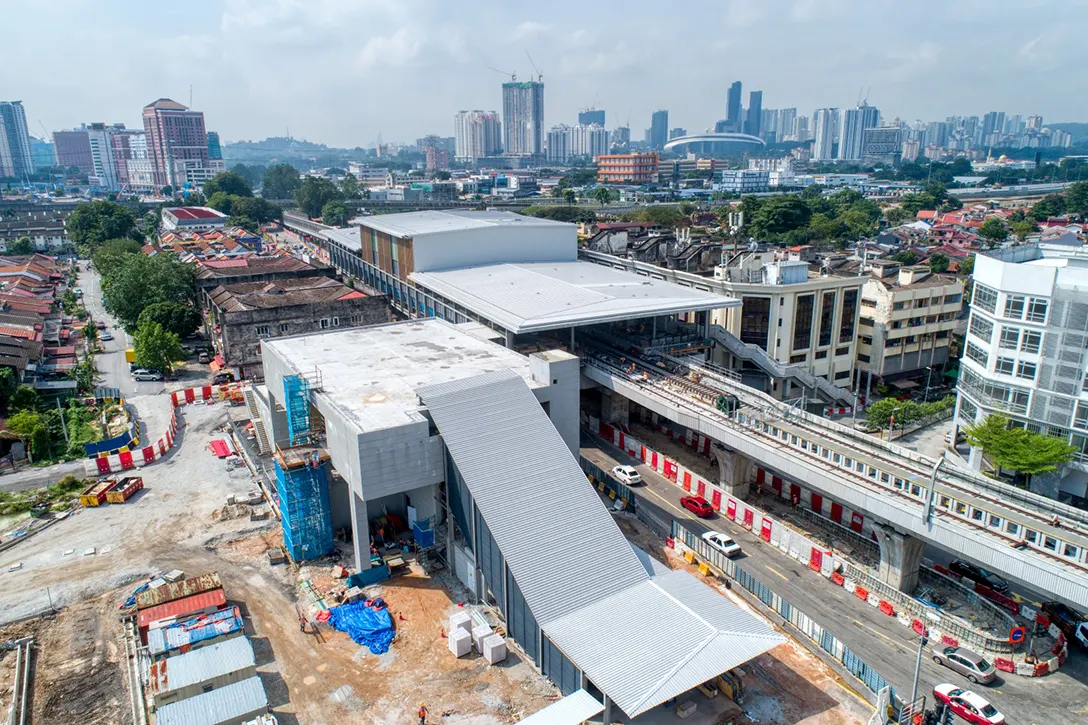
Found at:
[419, 223]
[537, 296]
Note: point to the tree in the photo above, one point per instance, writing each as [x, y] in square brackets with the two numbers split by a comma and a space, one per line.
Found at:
[141, 281]
[967, 265]
[23, 398]
[314, 193]
[602, 194]
[1076, 198]
[92, 224]
[156, 348]
[7, 385]
[31, 428]
[1048, 206]
[905, 257]
[252, 174]
[1018, 449]
[182, 320]
[221, 201]
[570, 196]
[22, 245]
[167, 190]
[896, 215]
[1023, 229]
[778, 215]
[349, 187]
[260, 210]
[993, 230]
[280, 182]
[229, 183]
[84, 374]
[938, 263]
[335, 214]
[108, 256]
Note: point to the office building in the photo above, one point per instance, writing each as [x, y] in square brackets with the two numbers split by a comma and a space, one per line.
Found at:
[882, 144]
[801, 130]
[1035, 123]
[215, 151]
[523, 117]
[177, 144]
[733, 109]
[621, 136]
[130, 157]
[908, 315]
[588, 141]
[785, 119]
[753, 123]
[476, 134]
[825, 121]
[912, 148]
[677, 133]
[1025, 352]
[591, 116]
[742, 181]
[993, 122]
[100, 138]
[73, 150]
[627, 168]
[659, 130]
[42, 154]
[15, 158]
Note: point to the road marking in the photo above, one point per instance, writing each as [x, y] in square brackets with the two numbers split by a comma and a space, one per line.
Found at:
[775, 572]
[880, 634]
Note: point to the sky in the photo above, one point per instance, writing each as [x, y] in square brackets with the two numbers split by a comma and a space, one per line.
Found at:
[341, 72]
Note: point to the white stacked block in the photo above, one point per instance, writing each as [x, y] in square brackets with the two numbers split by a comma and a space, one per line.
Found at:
[461, 621]
[478, 635]
[494, 649]
[460, 642]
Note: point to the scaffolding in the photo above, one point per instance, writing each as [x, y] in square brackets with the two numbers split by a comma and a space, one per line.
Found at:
[302, 483]
[296, 391]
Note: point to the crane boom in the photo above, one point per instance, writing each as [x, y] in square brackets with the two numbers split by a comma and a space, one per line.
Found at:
[539, 75]
[513, 76]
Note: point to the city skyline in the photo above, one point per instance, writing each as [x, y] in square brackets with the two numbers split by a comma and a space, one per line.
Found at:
[410, 71]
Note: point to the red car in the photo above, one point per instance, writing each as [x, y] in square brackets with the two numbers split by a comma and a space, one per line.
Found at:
[697, 505]
[968, 705]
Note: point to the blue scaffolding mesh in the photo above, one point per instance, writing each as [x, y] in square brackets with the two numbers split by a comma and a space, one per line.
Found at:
[296, 391]
[304, 505]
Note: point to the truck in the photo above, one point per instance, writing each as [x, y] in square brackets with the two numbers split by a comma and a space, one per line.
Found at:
[125, 489]
[96, 494]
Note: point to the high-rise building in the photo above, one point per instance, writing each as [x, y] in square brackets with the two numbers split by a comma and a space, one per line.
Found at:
[41, 153]
[911, 149]
[478, 134]
[882, 144]
[621, 136]
[784, 124]
[824, 121]
[1035, 122]
[659, 130]
[559, 138]
[870, 115]
[853, 135]
[523, 117]
[801, 130]
[134, 172]
[993, 122]
[73, 150]
[215, 151]
[590, 141]
[177, 143]
[752, 125]
[732, 109]
[15, 158]
[936, 134]
[591, 116]
[100, 138]
[677, 132]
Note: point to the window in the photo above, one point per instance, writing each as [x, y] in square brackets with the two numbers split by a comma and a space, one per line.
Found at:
[754, 319]
[921, 303]
[976, 353]
[953, 299]
[842, 374]
[985, 298]
[393, 255]
[865, 321]
[827, 317]
[897, 324]
[848, 462]
[862, 357]
[323, 323]
[264, 330]
[1080, 419]
[1031, 341]
[995, 521]
[802, 322]
[976, 514]
[336, 322]
[844, 350]
[1025, 370]
[898, 305]
[1031, 536]
[374, 247]
[1012, 528]
[981, 327]
[797, 358]
[283, 327]
[1070, 551]
[1005, 365]
[1009, 338]
[849, 313]
[1014, 307]
[821, 354]
[1049, 542]
[1037, 310]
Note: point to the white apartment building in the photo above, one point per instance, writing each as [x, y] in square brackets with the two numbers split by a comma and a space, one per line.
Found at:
[743, 181]
[1025, 352]
[907, 318]
[476, 134]
[825, 125]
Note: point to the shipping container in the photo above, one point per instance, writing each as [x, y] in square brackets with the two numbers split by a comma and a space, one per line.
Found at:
[203, 603]
[236, 703]
[210, 668]
[178, 590]
[96, 494]
[125, 489]
[190, 634]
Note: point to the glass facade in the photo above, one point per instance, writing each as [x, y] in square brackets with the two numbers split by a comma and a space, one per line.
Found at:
[755, 318]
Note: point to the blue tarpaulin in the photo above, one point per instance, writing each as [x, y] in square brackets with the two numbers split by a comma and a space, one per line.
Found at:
[365, 625]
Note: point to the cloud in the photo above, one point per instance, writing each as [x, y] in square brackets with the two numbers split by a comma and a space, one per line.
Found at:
[530, 29]
[394, 50]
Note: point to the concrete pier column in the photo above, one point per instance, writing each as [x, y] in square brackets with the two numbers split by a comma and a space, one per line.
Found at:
[615, 408]
[360, 531]
[732, 471]
[900, 557]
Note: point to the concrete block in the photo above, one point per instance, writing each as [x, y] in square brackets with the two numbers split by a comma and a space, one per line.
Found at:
[478, 635]
[461, 621]
[494, 649]
[460, 643]
[1025, 669]
[686, 709]
[353, 595]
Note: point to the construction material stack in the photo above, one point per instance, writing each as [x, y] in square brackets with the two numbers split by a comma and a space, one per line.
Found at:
[460, 636]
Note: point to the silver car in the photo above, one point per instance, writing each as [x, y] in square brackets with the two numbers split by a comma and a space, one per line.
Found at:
[970, 664]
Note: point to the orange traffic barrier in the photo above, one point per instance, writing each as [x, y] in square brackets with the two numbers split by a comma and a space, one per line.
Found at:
[861, 593]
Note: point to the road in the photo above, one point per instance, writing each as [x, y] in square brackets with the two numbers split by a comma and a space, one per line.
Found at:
[881, 641]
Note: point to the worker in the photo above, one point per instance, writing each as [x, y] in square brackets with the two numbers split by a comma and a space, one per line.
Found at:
[422, 714]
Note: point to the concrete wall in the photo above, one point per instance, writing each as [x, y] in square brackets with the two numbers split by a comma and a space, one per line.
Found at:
[496, 245]
[561, 372]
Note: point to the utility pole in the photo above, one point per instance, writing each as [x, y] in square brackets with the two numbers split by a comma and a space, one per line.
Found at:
[63, 424]
[923, 638]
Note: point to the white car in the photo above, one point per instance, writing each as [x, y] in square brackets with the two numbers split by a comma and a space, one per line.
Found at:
[627, 474]
[722, 543]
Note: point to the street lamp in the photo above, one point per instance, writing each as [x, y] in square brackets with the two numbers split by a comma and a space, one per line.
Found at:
[923, 640]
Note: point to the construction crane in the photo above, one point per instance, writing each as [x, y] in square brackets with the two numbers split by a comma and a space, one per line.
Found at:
[513, 76]
[539, 75]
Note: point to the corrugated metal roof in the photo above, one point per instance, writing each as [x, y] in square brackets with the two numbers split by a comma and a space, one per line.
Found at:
[178, 590]
[530, 297]
[180, 607]
[659, 639]
[228, 703]
[191, 631]
[201, 665]
[571, 710]
[417, 223]
[559, 541]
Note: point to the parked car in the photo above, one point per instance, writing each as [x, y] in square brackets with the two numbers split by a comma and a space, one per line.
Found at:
[722, 543]
[100, 325]
[222, 378]
[627, 474]
[970, 664]
[106, 336]
[1072, 623]
[204, 357]
[697, 505]
[78, 292]
[146, 376]
[968, 705]
[977, 574]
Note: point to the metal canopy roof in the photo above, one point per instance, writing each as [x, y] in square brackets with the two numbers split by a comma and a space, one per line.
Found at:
[641, 639]
[418, 223]
[225, 704]
[536, 296]
[573, 709]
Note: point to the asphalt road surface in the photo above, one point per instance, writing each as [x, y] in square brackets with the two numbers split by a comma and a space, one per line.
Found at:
[881, 641]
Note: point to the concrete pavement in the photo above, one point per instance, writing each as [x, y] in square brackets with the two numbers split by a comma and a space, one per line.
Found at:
[881, 641]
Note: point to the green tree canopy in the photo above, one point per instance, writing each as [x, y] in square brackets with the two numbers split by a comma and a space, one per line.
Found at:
[7, 386]
[1024, 228]
[92, 224]
[251, 173]
[938, 263]
[22, 245]
[570, 196]
[109, 255]
[967, 265]
[905, 257]
[1076, 198]
[993, 230]
[260, 210]
[221, 201]
[879, 414]
[156, 348]
[896, 215]
[1018, 449]
[280, 182]
[1048, 206]
[227, 182]
[24, 397]
[349, 187]
[777, 215]
[314, 193]
[140, 281]
[604, 195]
[668, 216]
[31, 428]
[182, 320]
[335, 214]
[560, 213]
